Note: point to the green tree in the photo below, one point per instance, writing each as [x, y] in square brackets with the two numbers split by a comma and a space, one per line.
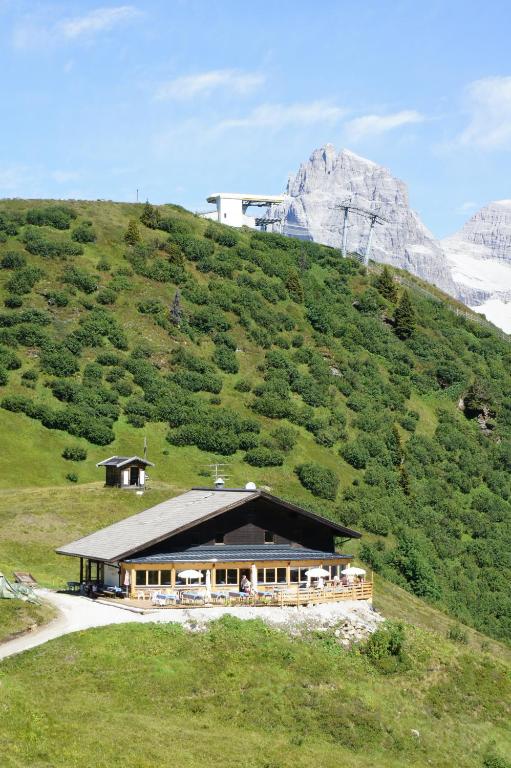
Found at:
[294, 287]
[132, 236]
[386, 286]
[404, 317]
[150, 216]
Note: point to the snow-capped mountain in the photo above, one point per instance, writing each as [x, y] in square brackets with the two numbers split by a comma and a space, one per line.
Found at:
[479, 256]
[473, 265]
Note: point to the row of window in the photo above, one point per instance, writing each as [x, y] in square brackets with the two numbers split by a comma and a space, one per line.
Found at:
[269, 538]
[231, 576]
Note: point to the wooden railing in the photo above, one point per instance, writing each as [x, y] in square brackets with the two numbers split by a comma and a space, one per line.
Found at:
[286, 596]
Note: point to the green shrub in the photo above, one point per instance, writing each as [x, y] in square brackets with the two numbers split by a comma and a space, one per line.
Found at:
[319, 480]
[74, 453]
[457, 634]
[226, 360]
[108, 358]
[72, 477]
[57, 298]
[285, 438]
[385, 648]
[84, 233]
[106, 296]
[9, 360]
[132, 236]
[243, 385]
[23, 280]
[264, 457]
[221, 234]
[57, 216]
[150, 307]
[4, 376]
[13, 302]
[30, 375]
[59, 362]
[81, 279]
[13, 260]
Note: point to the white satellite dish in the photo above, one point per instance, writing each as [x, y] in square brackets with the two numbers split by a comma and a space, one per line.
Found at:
[219, 482]
[250, 487]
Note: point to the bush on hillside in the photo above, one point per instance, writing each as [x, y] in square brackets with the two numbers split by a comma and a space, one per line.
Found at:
[13, 260]
[226, 360]
[285, 438]
[74, 453]
[57, 298]
[59, 362]
[13, 302]
[81, 279]
[319, 480]
[84, 233]
[23, 280]
[264, 457]
[56, 216]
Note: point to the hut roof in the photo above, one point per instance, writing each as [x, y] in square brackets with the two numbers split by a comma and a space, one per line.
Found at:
[122, 461]
[128, 536]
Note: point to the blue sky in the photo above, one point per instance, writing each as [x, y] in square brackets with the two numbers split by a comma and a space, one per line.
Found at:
[179, 98]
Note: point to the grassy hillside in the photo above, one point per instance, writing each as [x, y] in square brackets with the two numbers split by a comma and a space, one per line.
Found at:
[242, 695]
[301, 370]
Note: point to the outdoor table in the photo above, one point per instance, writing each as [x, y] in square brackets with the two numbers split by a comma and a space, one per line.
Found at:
[163, 599]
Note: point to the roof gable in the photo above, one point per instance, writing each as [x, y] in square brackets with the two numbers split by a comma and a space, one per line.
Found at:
[174, 516]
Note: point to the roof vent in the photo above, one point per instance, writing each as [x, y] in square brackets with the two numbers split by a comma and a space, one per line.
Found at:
[219, 482]
[250, 487]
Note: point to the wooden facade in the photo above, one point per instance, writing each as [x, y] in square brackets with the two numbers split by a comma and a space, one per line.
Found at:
[228, 535]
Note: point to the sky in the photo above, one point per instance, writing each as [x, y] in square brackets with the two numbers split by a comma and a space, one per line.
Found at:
[181, 98]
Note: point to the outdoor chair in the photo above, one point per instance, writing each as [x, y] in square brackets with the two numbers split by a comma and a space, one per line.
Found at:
[219, 597]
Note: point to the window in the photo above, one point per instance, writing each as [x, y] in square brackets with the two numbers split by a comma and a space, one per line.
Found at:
[152, 577]
[165, 578]
[269, 537]
[219, 538]
[294, 575]
[226, 576]
[281, 576]
[260, 575]
[269, 576]
[140, 578]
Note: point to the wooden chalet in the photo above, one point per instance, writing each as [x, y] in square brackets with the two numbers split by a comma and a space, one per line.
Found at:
[125, 471]
[224, 534]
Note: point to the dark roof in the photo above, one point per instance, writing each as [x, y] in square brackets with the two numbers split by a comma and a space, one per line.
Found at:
[121, 461]
[128, 536]
[238, 552]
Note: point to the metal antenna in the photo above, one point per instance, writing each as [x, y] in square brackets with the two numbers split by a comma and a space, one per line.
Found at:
[215, 469]
[145, 447]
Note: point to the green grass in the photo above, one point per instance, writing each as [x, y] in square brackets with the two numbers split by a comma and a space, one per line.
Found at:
[242, 695]
[17, 616]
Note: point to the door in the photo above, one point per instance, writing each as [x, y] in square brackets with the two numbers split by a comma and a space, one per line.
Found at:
[134, 471]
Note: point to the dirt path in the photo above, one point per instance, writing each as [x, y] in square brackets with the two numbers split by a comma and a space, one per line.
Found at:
[77, 613]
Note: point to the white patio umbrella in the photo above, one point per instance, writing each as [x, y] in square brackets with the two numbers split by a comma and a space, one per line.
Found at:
[190, 574]
[208, 584]
[253, 577]
[316, 573]
[351, 570]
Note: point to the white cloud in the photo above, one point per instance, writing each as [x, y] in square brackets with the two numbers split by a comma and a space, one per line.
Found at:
[203, 83]
[373, 125]
[99, 20]
[29, 33]
[277, 116]
[489, 127]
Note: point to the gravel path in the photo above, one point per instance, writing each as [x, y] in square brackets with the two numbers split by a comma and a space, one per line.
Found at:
[78, 613]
